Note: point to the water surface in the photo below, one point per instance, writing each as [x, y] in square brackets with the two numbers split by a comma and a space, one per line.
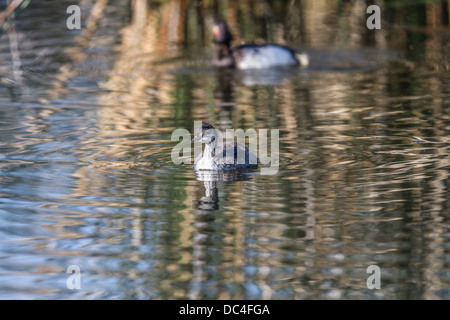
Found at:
[86, 176]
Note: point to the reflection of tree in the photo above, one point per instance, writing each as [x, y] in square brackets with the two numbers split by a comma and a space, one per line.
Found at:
[156, 41]
[345, 135]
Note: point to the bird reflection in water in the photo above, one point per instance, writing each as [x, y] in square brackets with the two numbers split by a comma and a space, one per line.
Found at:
[210, 201]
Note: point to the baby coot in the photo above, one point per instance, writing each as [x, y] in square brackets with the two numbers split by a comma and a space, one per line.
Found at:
[251, 55]
[221, 156]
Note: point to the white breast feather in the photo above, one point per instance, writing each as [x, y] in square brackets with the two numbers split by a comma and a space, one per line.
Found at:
[266, 57]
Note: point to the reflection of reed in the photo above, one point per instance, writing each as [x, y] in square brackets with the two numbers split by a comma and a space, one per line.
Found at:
[9, 11]
[77, 52]
[338, 143]
[325, 97]
[15, 55]
[5, 17]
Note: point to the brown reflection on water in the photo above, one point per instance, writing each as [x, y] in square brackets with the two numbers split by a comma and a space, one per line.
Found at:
[364, 147]
[345, 136]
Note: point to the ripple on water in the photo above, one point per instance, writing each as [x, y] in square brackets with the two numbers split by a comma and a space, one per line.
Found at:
[86, 176]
